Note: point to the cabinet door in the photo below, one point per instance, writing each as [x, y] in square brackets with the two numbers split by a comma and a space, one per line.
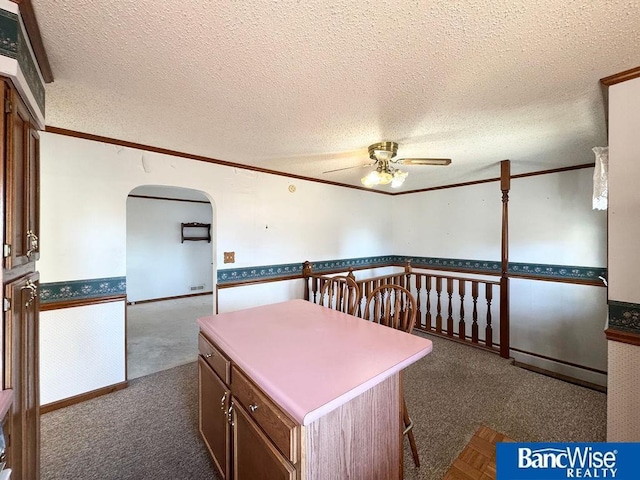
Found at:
[21, 374]
[21, 149]
[254, 456]
[214, 401]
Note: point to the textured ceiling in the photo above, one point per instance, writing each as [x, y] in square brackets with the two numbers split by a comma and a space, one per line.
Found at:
[305, 86]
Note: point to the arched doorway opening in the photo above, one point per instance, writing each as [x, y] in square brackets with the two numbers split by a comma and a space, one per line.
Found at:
[170, 279]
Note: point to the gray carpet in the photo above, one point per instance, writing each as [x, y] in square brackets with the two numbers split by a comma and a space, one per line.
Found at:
[149, 430]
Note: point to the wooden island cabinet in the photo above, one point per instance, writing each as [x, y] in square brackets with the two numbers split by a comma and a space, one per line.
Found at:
[298, 391]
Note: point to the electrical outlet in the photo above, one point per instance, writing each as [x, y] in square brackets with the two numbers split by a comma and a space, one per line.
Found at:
[229, 257]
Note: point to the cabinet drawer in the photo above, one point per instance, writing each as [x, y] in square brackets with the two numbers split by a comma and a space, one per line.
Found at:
[282, 430]
[214, 357]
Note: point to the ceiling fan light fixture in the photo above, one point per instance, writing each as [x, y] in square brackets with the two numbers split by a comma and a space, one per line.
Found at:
[398, 178]
[377, 177]
[370, 180]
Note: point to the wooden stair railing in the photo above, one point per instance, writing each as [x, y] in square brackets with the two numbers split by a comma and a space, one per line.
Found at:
[442, 304]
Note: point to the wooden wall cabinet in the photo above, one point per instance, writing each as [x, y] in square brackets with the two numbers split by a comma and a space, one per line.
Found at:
[21, 375]
[22, 153]
[20, 201]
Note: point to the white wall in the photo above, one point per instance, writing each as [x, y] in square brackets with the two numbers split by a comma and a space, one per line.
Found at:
[159, 265]
[550, 222]
[81, 349]
[84, 189]
[460, 222]
[84, 222]
[623, 421]
[624, 194]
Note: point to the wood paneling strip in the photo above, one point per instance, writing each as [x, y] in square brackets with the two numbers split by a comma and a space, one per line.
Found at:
[621, 77]
[151, 197]
[623, 337]
[82, 302]
[200, 158]
[176, 297]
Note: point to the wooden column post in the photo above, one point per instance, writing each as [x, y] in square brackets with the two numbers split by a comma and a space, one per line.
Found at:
[306, 271]
[505, 186]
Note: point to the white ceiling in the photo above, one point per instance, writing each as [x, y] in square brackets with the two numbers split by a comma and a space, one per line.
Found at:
[304, 86]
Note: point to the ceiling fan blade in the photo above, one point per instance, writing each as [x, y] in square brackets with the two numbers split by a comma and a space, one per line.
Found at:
[349, 168]
[423, 161]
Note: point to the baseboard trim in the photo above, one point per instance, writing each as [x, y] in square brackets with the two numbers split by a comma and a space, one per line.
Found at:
[83, 397]
[569, 372]
[557, 360]
[560, 376]
[176, 297]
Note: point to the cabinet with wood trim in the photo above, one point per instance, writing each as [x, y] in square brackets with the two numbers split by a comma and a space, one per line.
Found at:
[21, 374]
[20, 200]
[308, 393]
[213, 402]
[21, 170]
[261, 444]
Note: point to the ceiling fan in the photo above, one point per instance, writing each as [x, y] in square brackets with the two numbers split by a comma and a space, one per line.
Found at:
[383, 156]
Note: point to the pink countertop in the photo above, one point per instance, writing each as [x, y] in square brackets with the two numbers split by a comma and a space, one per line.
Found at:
[311, 359]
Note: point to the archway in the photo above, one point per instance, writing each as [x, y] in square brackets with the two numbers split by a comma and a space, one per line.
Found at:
[170, 280]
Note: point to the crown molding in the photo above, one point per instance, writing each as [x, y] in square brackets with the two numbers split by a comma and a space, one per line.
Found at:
[621, 77]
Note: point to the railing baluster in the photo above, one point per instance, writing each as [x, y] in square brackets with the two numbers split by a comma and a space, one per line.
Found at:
[428, 315]
[419, 318]
[474, 325]
[489, 330]
[428, 283]
[462, 329]
[450, 308]
[438, 306]
[314, 288]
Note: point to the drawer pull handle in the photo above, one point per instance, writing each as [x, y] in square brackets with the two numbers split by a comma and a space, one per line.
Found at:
[253, 407]
[208, 355]
[223, 401]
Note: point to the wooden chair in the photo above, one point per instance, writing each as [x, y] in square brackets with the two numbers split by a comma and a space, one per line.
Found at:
[394, 306]
[340, 293]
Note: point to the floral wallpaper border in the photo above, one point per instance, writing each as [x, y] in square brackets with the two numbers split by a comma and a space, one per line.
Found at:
[293, 270]
[624, 316]
[104, 287]
[14, 45]
[82, 289]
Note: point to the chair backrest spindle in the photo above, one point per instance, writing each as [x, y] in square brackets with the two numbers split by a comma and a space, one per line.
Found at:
[340, 293]
[393, 306]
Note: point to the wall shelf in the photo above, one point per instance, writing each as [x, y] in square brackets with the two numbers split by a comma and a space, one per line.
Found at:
[194, 232]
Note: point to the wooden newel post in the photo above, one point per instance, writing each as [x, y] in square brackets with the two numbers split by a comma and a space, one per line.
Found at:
[407, 272]
[306, 272]
[505, 186]
[351, 274]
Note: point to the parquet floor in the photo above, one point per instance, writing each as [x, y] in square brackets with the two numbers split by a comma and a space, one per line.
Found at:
[478, 459]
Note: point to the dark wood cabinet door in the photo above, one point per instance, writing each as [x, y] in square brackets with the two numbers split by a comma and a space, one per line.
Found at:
[21, 375]
[254, 456]
[215, 429]
[21, 150]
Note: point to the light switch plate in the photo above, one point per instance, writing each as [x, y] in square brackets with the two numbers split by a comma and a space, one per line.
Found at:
[229, 257]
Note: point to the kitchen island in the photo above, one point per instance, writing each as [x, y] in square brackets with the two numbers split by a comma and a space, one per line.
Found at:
[294, 390]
